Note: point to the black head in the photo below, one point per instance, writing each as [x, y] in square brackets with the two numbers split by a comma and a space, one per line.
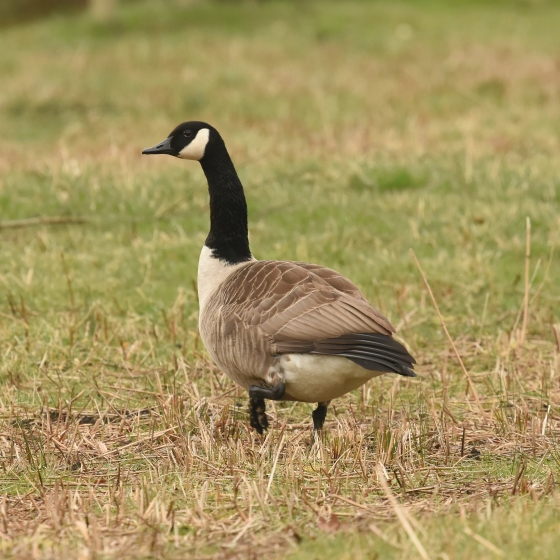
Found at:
[187, 141]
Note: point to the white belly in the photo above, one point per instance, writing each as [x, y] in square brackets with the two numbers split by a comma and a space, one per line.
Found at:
[317, 378]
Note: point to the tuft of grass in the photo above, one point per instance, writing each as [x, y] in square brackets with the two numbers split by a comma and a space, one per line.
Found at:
[387, 179]
[360, 130]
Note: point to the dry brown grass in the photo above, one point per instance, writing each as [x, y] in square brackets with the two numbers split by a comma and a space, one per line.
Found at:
[186, 475]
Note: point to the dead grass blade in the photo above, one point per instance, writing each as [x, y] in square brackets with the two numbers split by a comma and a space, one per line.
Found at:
[467, 376]
[271, 477]
[484, 542]
[527, 281]
[401, 513]
[41, 221]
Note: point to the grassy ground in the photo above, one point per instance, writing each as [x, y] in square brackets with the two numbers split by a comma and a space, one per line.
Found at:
[360, 130]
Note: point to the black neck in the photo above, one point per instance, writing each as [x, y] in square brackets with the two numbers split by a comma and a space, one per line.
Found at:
[228, 235]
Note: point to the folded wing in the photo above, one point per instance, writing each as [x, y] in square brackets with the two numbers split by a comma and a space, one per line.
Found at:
[311, 309]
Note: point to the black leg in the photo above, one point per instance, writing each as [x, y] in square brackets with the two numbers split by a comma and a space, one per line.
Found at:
[257, 406]
[274, 394]
[257, 414]
[319, 415]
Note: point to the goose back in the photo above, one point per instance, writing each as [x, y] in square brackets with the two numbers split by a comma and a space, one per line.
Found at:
[265, 308]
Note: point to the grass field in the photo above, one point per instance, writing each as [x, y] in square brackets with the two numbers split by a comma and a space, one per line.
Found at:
[360, 130]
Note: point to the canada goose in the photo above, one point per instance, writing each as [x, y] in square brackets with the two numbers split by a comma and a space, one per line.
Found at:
[283, 330]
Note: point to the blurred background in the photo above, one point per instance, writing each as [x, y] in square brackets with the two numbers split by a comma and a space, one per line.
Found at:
[360, 129]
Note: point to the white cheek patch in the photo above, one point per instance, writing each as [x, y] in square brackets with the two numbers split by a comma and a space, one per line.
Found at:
[195, 150]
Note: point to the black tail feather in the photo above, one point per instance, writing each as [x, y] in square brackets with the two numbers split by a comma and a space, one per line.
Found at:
[372, 351]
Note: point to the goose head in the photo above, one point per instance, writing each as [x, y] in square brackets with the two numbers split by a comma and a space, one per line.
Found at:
[189, 140]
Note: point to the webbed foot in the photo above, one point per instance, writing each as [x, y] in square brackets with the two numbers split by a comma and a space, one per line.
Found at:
[257, 406]
[257, 414]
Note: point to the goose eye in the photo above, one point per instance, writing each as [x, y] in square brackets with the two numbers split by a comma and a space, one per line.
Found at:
[187, 133]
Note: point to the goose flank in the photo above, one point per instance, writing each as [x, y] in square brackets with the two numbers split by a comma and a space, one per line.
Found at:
[283, 330]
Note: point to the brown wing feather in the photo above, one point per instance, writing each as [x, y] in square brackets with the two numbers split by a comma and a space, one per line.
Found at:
[289, 302]
[334, 279]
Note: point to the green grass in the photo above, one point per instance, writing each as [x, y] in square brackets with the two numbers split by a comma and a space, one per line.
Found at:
[518, 530]
[360, 130]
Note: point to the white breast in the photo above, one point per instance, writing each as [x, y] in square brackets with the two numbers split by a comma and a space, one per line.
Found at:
[212, 272]
[317, 378]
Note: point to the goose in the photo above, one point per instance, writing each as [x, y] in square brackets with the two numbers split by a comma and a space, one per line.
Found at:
[283, 330]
